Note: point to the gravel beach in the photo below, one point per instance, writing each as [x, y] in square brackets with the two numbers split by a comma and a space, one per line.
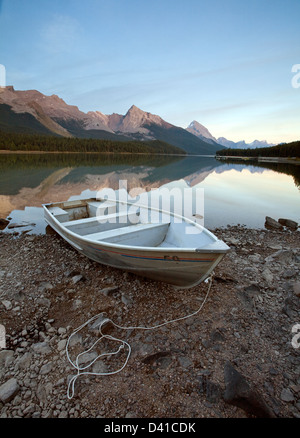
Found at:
[237, 357]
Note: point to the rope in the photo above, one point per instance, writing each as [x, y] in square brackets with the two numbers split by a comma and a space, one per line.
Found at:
[80, 369]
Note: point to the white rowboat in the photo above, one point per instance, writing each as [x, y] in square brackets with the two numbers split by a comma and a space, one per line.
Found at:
[158, 245]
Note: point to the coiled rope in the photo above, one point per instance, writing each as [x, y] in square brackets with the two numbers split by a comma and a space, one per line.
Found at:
[81, 369]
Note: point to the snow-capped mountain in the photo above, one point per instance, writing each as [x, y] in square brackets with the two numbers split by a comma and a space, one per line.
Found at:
[203, 133]
[242, 144]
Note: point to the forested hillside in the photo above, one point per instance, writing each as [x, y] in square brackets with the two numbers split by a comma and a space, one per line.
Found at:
[46, 143]
[282, 150]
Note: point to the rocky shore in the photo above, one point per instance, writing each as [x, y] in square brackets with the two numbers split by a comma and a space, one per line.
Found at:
[238, 357]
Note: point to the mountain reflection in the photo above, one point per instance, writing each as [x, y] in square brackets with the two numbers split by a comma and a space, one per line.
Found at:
[29, 180]
[259, 167]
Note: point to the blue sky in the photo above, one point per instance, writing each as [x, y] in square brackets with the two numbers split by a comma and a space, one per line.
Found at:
[227, 64]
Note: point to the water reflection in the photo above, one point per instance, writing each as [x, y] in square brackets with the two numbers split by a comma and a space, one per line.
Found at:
[256, 166]
[234, 193]
[243, 196]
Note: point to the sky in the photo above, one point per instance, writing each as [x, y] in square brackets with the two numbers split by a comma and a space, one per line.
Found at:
[226, 64]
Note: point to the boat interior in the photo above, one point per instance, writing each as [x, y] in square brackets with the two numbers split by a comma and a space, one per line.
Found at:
[127, 224]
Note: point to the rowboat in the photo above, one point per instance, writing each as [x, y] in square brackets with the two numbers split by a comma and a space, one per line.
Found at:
[153, 243]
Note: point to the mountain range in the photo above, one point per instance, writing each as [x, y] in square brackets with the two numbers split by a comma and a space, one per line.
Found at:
[32, 112]
[203, 133]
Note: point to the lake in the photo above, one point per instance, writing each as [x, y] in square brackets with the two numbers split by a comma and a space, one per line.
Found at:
[233, 193]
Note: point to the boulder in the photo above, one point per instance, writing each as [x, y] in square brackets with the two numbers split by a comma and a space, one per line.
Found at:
[238, 392]
[288, 223]
[272, 223]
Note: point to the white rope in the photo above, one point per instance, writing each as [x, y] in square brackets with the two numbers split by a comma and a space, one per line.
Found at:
[80, 369]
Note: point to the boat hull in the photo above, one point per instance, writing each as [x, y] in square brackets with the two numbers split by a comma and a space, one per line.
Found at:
[180, 267]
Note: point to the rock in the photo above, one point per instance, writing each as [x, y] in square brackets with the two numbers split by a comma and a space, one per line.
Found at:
[62, 330]
[99, 367]
[76, 304]
[19, 225]
[43, 391]
[3, 223]
[267, 276]
[155, 358]
[61, 344]
[109, 290]
[24, 361]
[7, 304]
[283, 256]
[275, 246]
[239, 393]
[218, 335]
[248, 294]
[287, 395]
[46, 368]
[63, 414]
[75, 339]
[185, 362]
[6, 357]
[272, 223]
[289, 273]
[289, 307]
[296, 288]
[254, 258]
[126, 300]
[9, 390]
[211, 390]
[101, 322]
[232, 241]
[45, 285]
[87, 357]
[41, 348]
[45, 302]
[77, 278]
[288, 223]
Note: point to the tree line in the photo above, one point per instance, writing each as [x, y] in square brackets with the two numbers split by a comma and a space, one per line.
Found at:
[45, 143]
[286, 150]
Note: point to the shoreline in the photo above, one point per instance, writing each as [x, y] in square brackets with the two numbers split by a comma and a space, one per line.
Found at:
[48, 289]
[259, 159]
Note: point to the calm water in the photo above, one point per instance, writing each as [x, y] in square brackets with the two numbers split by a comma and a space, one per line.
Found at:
[233, 193]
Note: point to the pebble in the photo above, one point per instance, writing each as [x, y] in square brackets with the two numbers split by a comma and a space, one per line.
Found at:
[77, 278]
[7, 304]
[46, 368]
[9, 390]
[287, 395]
[296, 288]
[41, 348]
[61, 344]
